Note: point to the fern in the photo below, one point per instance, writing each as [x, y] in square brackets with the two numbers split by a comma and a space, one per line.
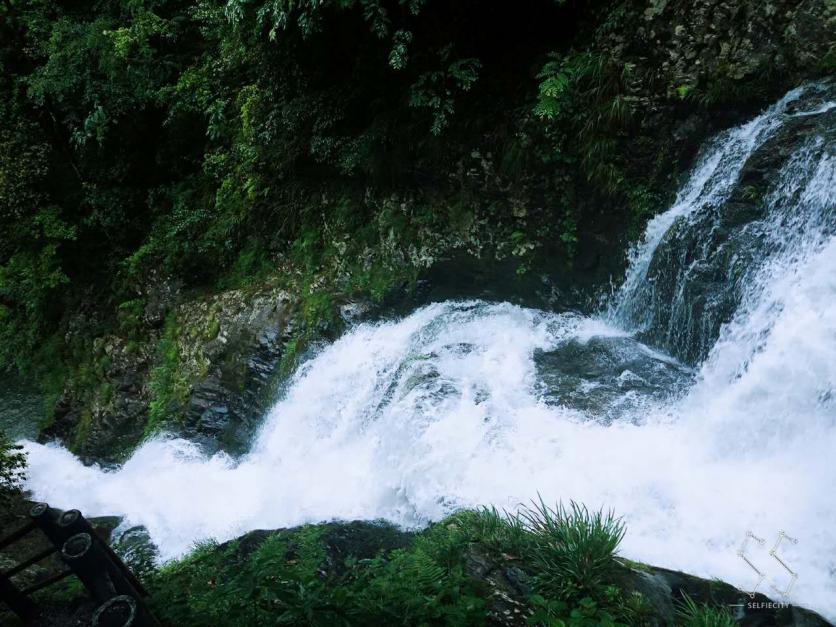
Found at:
[582, 95]
[436, 90]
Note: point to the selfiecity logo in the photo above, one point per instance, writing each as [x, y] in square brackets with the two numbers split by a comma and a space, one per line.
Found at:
[781, 577]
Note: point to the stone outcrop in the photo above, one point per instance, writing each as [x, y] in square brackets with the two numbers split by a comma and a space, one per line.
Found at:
[507, 586]
[222, 353]
[243, 339]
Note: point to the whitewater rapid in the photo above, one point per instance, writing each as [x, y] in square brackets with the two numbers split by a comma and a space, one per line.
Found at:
[450, 407]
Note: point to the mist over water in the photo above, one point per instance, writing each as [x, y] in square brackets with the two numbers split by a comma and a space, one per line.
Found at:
[695, 412]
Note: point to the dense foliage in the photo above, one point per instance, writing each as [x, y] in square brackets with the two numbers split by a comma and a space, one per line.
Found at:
[289, 578]
[562, 561]
[144, 136]
[330, 146]
[12, 468]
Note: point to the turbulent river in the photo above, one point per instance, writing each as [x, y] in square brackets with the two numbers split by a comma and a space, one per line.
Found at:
[699, 403]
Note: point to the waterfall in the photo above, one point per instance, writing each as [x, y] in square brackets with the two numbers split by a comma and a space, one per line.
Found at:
[699, 405]
[686, 277]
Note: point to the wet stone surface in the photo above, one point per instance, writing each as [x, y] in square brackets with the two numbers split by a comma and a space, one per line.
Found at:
[608, 376]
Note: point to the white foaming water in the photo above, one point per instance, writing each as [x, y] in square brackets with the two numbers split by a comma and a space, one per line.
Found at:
[709, 184]
[411, 419]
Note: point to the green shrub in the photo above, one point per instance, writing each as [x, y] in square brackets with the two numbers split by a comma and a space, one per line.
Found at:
[129, 316]
[12, 468]
[435, 89]
[425, 584]
[551, 613]
[581, 100]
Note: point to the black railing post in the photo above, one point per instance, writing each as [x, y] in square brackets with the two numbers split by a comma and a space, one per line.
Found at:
[46, 519]
[108, 580]
[119, 611]
[104, 579]
[123, 611]
[72, 522]
[86, 560]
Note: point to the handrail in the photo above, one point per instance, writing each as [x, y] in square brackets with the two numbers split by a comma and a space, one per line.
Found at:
[27, 563]
[105, 576]
[47, 582]
[16, 535]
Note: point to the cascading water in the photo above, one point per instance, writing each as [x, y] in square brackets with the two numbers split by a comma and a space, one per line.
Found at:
[688, 274]
[471, 403]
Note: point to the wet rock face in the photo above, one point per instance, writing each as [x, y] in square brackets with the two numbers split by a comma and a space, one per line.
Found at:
[708, 260]
[233, 369]
[506, 586]
[665, 589]
[106, 422]
[694, 42]
[227, 348]
[608, 377]
[692, 68]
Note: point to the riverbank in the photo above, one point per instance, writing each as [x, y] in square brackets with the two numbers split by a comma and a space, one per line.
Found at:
[545, 566]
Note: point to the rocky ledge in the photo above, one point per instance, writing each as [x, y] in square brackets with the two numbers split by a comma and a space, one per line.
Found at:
[203, 372]
[506, 584]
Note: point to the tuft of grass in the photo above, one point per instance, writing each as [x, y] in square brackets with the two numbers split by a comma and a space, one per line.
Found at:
[572, 548]
[503, 534]
[692, 614]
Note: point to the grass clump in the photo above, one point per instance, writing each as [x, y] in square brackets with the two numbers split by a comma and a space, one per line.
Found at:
[692, 614]
[569, 551]
[572, 548]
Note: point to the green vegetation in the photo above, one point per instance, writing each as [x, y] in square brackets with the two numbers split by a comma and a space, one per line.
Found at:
[546, 567]
[156, 152]
[692, 614]
[573, 548]
[12, 468]
[168, 387]
[152, 140]
[334, 149]
[581, 97]
[294, 577]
